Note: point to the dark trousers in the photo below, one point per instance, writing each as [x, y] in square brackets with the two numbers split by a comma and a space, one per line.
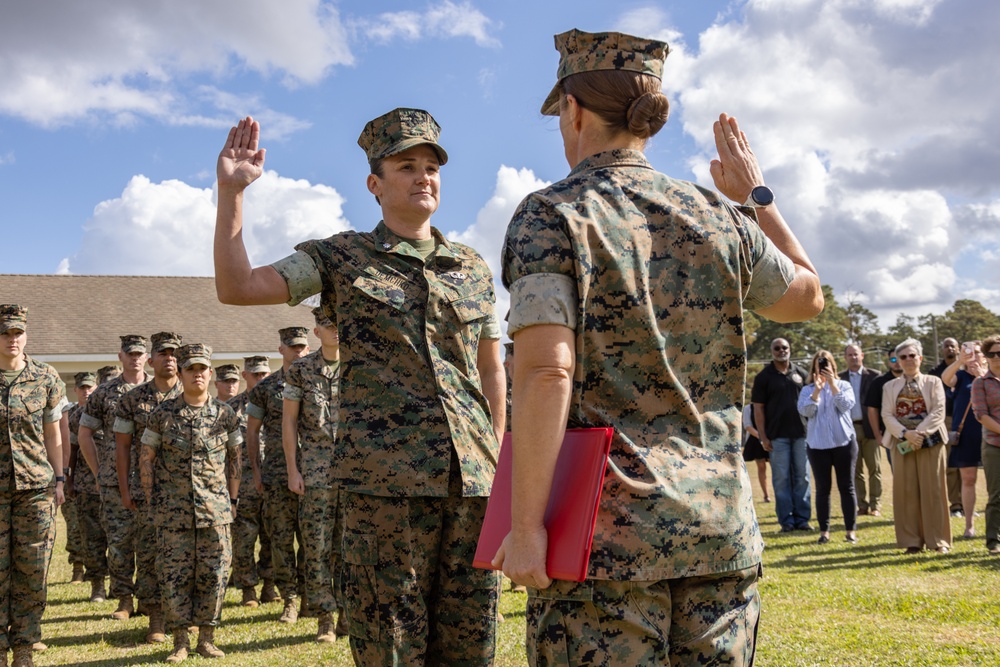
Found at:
[842, 461]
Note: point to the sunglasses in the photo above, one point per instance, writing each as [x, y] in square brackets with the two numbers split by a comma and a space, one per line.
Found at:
[993, 355]
[778, 347]
[908, 356]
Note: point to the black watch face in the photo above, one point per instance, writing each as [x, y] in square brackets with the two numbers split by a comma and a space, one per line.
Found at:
[762, 195]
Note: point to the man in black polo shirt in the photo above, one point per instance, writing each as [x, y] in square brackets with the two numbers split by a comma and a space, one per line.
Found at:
[775, 398]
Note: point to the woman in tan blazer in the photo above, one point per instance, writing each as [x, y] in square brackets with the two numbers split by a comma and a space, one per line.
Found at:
[913, 411]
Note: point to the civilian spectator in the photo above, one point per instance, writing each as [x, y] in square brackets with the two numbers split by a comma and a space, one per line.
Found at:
[986, 407]
[775, 396]
[826, 403]
[965, 455]
[869, 452]
[753, 450]
[949, 353]
[913, 412]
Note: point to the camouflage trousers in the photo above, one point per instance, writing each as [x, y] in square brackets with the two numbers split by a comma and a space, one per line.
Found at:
[281, 517]
[27, 533]
[119, 526]
[74, 533]
[147, 583]
[95, 542]
[322, 526]
[194, 569]
[411, 594]
[706, 620]
[247, 528]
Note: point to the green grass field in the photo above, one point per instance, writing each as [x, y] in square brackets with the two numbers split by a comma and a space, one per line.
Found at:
[832, 605]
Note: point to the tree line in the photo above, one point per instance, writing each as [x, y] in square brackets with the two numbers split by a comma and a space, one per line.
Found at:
[839, 325]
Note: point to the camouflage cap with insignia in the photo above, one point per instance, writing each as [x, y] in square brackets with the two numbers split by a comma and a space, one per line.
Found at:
[105, 373]
[133, 343]
[322, 319]
[581, 51]
[85, 379]
[256, 364]
[13, 316]
[194, 353]
[166, 340]
[227, 372]
[294, 335]
[399, 130]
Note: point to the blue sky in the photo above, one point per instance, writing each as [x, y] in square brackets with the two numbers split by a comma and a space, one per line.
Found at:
[872, 121]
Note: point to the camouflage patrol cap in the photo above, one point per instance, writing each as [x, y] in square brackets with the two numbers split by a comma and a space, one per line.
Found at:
[294, 336]
[322, 319]
[133, 343]
[592, 51]
[105, 373]
[85, 379]
[13, 316]
[399, 130]
[166, 340]
[256, 364]
[194, 353]
[227, 372]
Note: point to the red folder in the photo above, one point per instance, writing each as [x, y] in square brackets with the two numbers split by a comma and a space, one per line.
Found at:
[572, 509]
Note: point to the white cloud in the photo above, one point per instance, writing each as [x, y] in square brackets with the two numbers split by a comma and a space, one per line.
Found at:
[167, 228]
[486, 235]
[873, 122]
[7, 158]
[444, 19]
[66, 60]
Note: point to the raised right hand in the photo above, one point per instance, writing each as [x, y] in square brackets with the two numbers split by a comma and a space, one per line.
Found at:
[241, 161]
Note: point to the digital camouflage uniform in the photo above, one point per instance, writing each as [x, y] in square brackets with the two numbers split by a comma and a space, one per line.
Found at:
[653, 275]
[131, 417]
[281, 506]
[88, 504]
[416, 448]
[314, 384]
[191, 506]
[75, 548]
[248, 525]
[27, 501]
[119, 523]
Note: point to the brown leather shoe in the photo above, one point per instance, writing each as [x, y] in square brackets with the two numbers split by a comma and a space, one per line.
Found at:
[126, 609]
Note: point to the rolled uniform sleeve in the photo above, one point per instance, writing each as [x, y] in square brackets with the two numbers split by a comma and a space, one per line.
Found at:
[491, 328]
[256, 412]
[291, 392]
[151, 438]
[301, 275]
[91, 422]
[771, 272]
[123, 425]
[539, 268]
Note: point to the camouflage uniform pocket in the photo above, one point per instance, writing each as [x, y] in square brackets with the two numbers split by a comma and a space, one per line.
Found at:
[360, 556]
[472, 305]
[381, 291]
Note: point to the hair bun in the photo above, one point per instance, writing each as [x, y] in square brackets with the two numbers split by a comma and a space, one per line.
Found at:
[647, 114]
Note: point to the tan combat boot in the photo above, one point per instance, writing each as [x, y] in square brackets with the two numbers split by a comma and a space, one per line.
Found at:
[157, 633]
[97, 593]
[267, 592]
[290, 613]
[249, 597]
[206, 647]
[343, 629]
[305, 611]
[77, 574]
[324, 632]
[181, 645]
[126, 609]
[23, 656]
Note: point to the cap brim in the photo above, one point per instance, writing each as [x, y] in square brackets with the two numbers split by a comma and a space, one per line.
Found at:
[188, 363]
[550, 107]
[87, 383]
[128, 349]
[4, 328]
[407, 144]
[297, 341]
[259, 369]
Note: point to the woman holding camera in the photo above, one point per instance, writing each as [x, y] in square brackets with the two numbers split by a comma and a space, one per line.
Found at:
[826, 404]
[915, 430]
[965, 451]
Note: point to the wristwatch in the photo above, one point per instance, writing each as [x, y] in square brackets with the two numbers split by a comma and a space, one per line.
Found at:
[760, 197]
[902, 436]
[60, 478]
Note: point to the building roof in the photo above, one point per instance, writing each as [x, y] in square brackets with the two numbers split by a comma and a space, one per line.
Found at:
[84, 315]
